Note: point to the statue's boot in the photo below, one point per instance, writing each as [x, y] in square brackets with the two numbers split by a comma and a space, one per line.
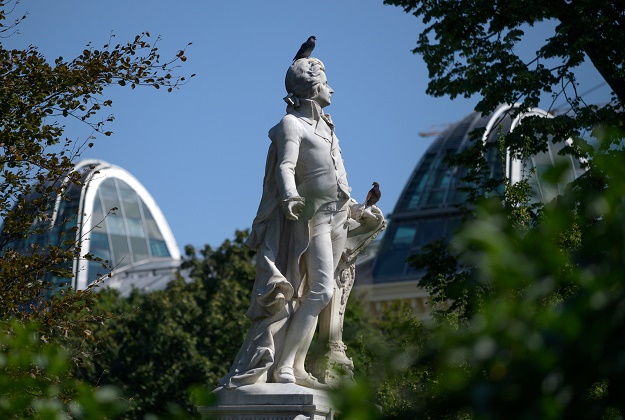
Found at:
[310, 381]
[284, 375]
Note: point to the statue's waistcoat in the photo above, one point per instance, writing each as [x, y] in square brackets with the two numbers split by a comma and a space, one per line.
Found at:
[318, 174]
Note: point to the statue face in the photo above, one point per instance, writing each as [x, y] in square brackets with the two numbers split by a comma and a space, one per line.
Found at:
[324, 98]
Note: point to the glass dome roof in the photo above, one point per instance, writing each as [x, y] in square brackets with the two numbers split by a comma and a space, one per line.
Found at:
[114, 217]
[427, 208]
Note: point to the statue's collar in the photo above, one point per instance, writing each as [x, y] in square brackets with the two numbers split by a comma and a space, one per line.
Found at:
[308, 110]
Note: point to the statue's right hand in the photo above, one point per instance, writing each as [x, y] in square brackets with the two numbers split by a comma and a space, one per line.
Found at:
[293, 208]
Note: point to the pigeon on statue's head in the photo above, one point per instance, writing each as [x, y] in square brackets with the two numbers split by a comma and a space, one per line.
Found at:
[306, 49]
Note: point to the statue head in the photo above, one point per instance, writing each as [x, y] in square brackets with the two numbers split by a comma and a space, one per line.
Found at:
[306, 79]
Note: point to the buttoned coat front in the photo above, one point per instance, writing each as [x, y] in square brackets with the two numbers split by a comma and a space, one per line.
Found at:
[309, 161]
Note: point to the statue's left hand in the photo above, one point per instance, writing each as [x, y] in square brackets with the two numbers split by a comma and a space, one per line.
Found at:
[369, 222]
[373, 213]
[365, 215]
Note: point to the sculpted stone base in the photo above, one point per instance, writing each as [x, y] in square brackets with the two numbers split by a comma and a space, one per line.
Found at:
[269, 402]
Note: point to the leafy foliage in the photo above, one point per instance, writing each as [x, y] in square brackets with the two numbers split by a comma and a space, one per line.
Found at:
[546, 338]
[547, 342]
[35, 380]
[473, 48]
[162, 345]
[383, 349]
[529, 295]
[37, 96]
[37, 163]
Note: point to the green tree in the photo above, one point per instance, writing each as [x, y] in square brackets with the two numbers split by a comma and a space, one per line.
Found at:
[162, 345]
[37, 97]
[37, 161]
[546, 339]
[473, 48]
[35, 380]
[547, 342]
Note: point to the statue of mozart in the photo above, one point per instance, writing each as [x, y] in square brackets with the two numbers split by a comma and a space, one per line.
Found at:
[301, 234]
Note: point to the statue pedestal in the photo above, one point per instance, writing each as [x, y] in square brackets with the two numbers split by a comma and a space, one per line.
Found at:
[269, 402]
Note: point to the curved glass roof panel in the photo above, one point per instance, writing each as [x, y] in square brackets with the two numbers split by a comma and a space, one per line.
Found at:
[434, 184]
[427, 209]
[126, 235]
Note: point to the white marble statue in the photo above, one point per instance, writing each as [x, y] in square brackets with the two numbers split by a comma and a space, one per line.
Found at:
[301, 232]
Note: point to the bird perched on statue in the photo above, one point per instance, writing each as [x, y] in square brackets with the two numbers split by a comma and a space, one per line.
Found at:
[373, 196]
[306, 49]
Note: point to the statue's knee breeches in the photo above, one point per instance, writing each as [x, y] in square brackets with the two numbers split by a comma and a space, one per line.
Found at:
[326, 245]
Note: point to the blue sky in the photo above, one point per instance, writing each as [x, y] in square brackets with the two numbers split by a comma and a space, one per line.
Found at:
[200, 151]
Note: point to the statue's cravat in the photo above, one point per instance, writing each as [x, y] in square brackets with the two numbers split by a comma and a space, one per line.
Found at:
[328, 120]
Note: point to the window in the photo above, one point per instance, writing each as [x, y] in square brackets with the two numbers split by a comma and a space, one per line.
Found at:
[406, 240]
[128, 235]
[392, 259]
